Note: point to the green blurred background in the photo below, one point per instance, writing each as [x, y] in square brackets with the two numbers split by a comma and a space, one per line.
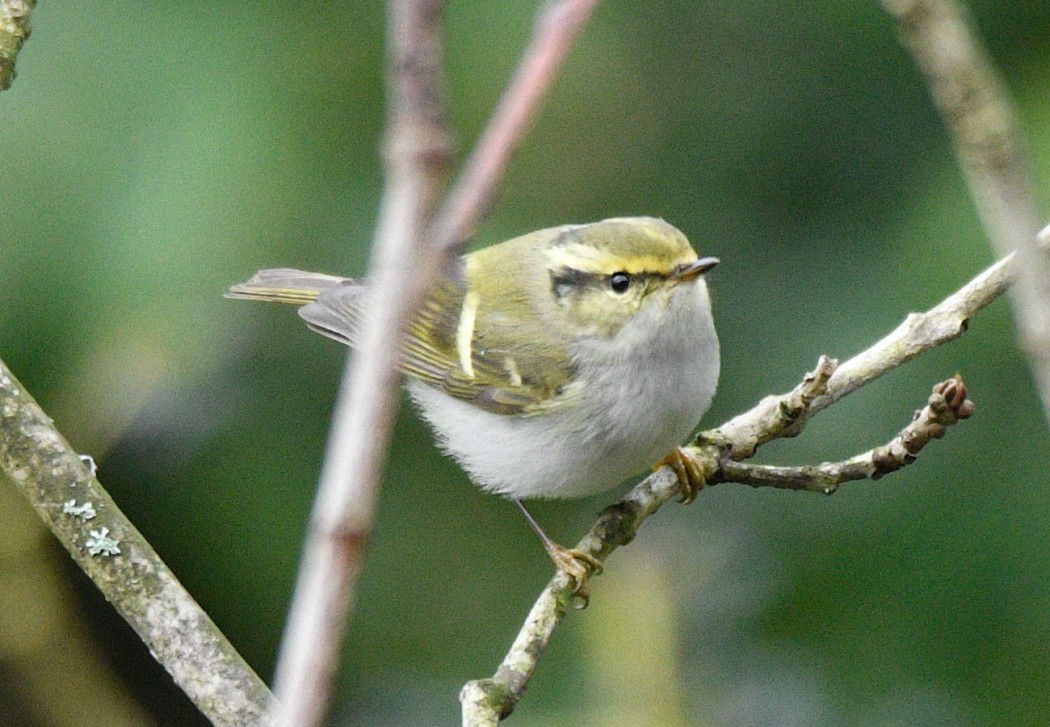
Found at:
[153, 153]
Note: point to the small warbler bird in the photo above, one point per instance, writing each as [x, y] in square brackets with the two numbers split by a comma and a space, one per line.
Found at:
[556, 364]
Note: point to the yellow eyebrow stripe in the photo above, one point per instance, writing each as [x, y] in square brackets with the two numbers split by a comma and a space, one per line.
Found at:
[465, 332]
[589, 259]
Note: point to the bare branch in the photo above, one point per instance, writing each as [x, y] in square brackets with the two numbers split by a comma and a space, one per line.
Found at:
[109, 549]
[418, 151]
[993, 156]
[778, 416]
[14, 29]
[775, 416]
[557, 26]
[919, 332]
[946, 406]
[417, 154]
[486, 701]
[342, 517]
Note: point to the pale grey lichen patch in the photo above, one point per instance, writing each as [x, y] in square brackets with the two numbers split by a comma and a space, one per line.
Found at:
[84, 511]
[89, 462]
[101, 544]
[181, 636]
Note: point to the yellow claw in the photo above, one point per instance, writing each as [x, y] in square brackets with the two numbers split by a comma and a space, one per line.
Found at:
[576, 564]
[689, 471]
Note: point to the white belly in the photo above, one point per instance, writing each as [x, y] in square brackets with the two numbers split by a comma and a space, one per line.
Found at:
[636, 401]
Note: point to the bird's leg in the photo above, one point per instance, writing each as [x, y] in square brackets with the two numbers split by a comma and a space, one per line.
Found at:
[574, 563]
[689, 471]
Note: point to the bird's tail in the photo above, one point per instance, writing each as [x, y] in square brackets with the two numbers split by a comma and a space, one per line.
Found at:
[286, 285]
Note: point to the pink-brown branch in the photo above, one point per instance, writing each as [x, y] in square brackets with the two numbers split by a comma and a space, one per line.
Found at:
[557, 26]
[417, 150]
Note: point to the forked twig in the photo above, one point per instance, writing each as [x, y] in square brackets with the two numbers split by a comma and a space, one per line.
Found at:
[487, 701]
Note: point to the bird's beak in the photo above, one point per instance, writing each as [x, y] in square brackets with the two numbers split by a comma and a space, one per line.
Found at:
[690, 271]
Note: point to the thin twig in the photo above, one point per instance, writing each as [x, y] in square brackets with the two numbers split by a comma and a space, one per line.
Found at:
[108, 548]
[418, 151]
[486, 701]
[946, 406]
[14, 29]
[558, 24]
[417, 154]
[918, 333]
[993, 155]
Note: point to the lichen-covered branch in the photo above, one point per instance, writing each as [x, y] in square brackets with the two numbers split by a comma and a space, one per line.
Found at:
[992, 154]
[14, 29]
[125, 568]
[946, 406]
[487, 701]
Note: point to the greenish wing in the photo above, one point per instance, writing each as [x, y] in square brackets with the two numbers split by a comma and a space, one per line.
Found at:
[512, 375]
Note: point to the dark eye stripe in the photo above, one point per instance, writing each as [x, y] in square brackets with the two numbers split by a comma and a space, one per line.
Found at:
[566, 281]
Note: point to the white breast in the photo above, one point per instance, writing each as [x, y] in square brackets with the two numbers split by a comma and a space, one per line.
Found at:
[637, 397]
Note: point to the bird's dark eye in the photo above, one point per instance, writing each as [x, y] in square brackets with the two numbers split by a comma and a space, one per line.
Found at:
[619, 282]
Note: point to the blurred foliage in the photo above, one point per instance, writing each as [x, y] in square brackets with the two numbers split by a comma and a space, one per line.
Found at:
[154, 153]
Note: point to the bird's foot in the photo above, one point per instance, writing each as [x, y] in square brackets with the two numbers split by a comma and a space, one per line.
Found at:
[688, 469]
[577, 565]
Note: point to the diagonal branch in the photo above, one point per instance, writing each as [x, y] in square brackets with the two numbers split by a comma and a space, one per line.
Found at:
[778, 416]
[417, 156]
[418, 151]
[946, 406]
[557, 26]
[487, 701]
[108, 548]
[14, 29]
[992, 154]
